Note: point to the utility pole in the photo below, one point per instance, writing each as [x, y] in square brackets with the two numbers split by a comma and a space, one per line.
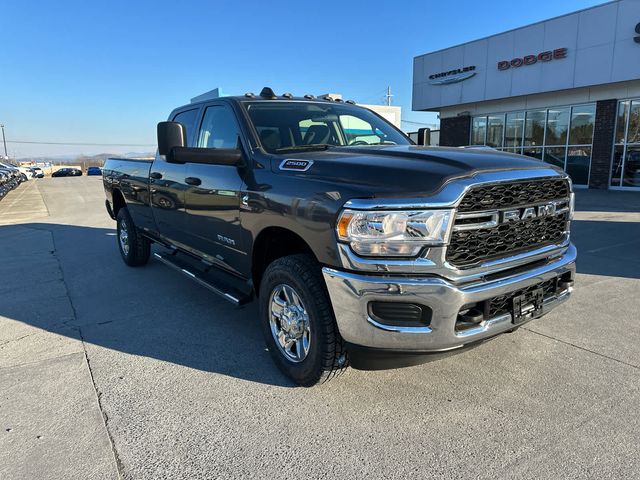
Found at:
[388, 96]
[4, 141]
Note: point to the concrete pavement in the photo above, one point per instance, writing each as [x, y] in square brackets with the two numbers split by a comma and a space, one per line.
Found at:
[51, 425]
[139, 373]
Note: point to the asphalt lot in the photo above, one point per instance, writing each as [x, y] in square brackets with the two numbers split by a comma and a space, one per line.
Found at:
[113, 372]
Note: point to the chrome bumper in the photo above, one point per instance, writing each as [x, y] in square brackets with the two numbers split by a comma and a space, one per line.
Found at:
[350, 294]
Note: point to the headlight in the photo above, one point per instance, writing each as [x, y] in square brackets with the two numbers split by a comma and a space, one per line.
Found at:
[393, 233]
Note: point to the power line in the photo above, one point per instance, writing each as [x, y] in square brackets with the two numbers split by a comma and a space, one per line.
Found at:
[418, 123]
[85, 144]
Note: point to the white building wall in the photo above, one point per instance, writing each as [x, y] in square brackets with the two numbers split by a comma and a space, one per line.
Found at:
[600, 50]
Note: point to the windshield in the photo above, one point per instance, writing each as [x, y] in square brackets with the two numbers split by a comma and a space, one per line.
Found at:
[288, 126]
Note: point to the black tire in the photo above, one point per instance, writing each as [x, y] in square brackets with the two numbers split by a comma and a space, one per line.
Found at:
[327, 356]
[139, 247]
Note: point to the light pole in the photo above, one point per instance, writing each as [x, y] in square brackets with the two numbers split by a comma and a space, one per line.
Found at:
[4, 141]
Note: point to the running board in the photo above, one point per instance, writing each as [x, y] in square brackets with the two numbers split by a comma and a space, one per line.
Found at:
[227, 292]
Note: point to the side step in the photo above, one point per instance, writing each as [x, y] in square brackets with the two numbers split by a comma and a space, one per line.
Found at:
[212, 279]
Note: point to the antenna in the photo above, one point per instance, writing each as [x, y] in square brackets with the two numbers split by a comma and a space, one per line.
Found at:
[388, 96]
[267, 93]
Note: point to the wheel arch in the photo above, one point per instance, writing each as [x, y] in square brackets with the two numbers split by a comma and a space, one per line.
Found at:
[118, 201]
[272, 243]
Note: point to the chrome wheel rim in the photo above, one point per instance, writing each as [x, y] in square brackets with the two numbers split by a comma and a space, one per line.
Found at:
[289, 322]
[123, 236]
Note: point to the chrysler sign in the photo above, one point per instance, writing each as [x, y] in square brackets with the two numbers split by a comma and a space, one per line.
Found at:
[452, 76]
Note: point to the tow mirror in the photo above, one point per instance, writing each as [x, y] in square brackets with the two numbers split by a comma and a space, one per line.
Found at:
[171, 135]
[212, 156]
[424, 136]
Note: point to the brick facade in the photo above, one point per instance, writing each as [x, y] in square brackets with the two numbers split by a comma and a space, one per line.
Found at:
[455, 131]
[604, 129]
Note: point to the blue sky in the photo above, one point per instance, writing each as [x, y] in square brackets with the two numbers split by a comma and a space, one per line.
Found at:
[108, 71]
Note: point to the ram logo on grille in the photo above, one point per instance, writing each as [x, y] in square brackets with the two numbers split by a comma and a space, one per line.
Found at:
[528, 213]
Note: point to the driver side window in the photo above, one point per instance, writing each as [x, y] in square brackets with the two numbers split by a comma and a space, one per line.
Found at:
[218, 129]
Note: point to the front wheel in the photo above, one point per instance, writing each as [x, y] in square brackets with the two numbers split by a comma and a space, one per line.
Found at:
[134, 248]
[297, 321]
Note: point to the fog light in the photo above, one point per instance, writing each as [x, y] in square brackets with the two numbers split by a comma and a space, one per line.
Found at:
[400, 314]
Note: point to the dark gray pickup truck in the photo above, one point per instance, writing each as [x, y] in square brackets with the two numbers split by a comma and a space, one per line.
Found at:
[361, 248]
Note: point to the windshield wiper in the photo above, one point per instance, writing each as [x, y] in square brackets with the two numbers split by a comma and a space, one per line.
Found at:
[311, 146]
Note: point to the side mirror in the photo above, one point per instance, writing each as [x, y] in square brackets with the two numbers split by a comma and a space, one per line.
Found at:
[212, 156]
[424, 136]
[170, 135]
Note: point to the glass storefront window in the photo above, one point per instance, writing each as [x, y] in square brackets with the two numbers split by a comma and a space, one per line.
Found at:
[533, 152]
[616, 168]
[479, 130]
[632, 167]
[557, 126]
[633, 131]
[555, 156]
[621, 124]
[582, 120]
[495, 130]
[561, 136]
[534, 127]
[513, 129]
[578, 161]
[625, 167]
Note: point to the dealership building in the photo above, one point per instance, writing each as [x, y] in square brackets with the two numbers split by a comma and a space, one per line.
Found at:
[565, 90]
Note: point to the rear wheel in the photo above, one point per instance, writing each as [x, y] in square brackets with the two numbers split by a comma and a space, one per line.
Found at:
[134, 248]
[297, 321]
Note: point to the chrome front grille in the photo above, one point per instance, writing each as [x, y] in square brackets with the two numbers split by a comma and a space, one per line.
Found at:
[513, 194]
[499, 220]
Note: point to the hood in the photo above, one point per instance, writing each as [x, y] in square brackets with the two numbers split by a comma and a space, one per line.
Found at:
[404, 169]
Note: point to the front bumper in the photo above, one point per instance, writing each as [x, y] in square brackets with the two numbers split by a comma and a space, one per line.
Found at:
[351, 293]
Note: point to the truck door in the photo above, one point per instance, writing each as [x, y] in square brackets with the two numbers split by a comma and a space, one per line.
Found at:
[213, 194]
[167, 187]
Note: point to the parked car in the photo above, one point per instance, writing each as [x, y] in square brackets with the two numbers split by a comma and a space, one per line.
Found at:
[14, 171]
[37, 172]
[67, 172]
[10, 178]
[94, 171]
[26, 172]
[360, 247]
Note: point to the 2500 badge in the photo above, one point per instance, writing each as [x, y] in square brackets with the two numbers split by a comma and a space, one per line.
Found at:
[296, 165]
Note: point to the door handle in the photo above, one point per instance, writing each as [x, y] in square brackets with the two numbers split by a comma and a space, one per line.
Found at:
[155, 175]
[192, 181]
